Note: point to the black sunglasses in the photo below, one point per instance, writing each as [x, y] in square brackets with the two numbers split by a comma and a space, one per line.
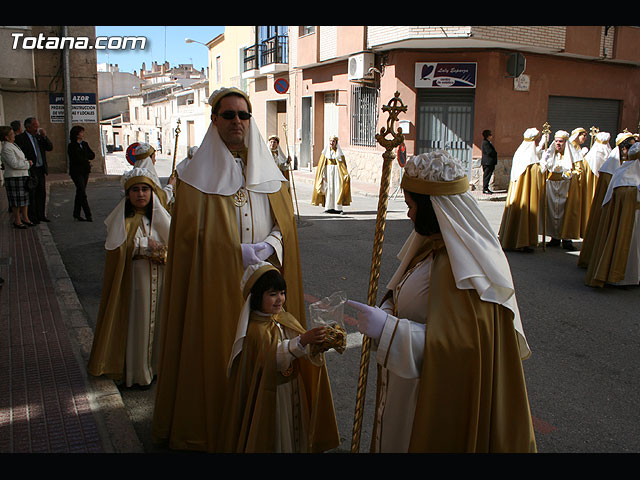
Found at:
[230, 115]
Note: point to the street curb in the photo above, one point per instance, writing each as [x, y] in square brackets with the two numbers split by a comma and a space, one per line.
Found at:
[113, 423]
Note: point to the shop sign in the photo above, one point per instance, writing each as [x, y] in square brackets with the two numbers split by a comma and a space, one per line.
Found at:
[83, 108]
[445, 75]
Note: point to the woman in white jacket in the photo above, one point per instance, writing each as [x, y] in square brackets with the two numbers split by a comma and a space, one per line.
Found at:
[16, 172]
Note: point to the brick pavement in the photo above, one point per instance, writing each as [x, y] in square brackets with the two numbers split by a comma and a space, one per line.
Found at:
[44, 403]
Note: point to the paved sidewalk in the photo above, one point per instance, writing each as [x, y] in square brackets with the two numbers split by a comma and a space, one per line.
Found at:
[48, 402]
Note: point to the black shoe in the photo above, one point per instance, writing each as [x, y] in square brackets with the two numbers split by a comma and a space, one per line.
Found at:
[525, 249]
[1, 281]
[555, 242]
[487, 192]
[568, 245]
[79, 218]
[21, 226]
[44, 219]
[89, 219]
[29, 224]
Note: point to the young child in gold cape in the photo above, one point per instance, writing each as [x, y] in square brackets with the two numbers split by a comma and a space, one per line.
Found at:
[281, 397]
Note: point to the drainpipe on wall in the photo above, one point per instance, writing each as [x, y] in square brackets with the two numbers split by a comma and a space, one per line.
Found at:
[67, 92]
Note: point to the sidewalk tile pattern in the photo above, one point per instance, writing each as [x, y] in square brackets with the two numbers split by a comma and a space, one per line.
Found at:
[44, 406]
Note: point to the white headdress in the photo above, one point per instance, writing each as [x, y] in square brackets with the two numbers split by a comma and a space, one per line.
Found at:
[212, 168]
[476, 256]
[628, 174]
[116, 227]
[250, 277]
[599, 152]
[526, 154]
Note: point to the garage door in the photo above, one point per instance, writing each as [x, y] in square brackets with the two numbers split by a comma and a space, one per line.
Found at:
[568, 113]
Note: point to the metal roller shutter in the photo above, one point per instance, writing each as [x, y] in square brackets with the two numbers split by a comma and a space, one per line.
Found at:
[568, 113]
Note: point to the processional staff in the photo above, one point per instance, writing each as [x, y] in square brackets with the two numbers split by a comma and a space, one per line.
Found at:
[175, 148]
[286, 142]
[546, 131]
[593, 132]
[394, 108]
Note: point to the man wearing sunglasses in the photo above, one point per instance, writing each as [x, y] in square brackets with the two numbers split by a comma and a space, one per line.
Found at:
[232, 209]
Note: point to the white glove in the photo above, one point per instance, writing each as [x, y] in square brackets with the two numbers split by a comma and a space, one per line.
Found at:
[370, 320]
[255, 252]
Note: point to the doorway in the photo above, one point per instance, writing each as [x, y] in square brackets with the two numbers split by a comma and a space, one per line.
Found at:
[445, 122]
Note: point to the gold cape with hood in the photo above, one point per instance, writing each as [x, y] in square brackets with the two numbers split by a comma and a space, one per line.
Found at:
[594, 219]
[110, 337]
[520, 219]
[200, 312]
[250, 419]
[319, 198]
[612, 240]
[472, 394]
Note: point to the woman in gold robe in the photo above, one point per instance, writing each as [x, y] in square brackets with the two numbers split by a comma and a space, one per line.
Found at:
[280, 397]
[332, 187]
[448, 336]
[616, 255]
[605, 173]
[125, 341]
[520, 219]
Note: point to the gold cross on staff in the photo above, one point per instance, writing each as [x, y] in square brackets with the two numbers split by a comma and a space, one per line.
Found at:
[593, 132]
[395, 107]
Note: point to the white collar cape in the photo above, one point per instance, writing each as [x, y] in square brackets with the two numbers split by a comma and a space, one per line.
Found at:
[212, 168]
[627, 175]
[476, 256]
[116, 226]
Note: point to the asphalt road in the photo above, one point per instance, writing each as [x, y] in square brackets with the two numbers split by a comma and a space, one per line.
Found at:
[583, 372]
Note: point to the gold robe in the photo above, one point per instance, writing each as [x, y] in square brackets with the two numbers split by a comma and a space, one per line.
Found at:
[520, 219]
[589, 181]
[202, 300]
[472, 395]
[110, 337]
[318, 197]
[594, 219]
[250, 416]
[613, 238]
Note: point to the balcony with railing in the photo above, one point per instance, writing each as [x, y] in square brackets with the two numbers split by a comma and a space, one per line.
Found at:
[268, 57]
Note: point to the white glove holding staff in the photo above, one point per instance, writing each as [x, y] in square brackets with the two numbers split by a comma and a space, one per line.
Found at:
[369, 320]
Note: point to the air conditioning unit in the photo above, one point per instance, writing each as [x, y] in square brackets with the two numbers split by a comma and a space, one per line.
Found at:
[360, 66]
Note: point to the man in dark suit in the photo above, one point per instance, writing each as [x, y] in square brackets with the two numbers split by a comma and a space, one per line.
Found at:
[489, 160]
[35, 145]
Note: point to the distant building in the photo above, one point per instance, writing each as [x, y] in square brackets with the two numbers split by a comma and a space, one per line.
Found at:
[32, 84]
[455, 80]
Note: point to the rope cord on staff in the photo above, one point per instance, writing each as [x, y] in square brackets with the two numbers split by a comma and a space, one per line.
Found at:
[394, 108]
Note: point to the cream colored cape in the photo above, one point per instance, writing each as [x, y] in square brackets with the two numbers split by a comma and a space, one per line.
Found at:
[110, 338]
[521, 216]
[612, 239]
[472, 394]
[202, 300]
[318, 196]
[250, 415]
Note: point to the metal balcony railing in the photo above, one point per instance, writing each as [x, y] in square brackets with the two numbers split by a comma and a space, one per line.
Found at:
[271, 50]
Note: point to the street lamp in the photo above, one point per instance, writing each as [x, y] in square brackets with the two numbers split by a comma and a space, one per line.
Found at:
[190, 40]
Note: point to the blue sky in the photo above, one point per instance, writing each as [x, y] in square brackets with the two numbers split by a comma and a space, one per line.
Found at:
[164, 43]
